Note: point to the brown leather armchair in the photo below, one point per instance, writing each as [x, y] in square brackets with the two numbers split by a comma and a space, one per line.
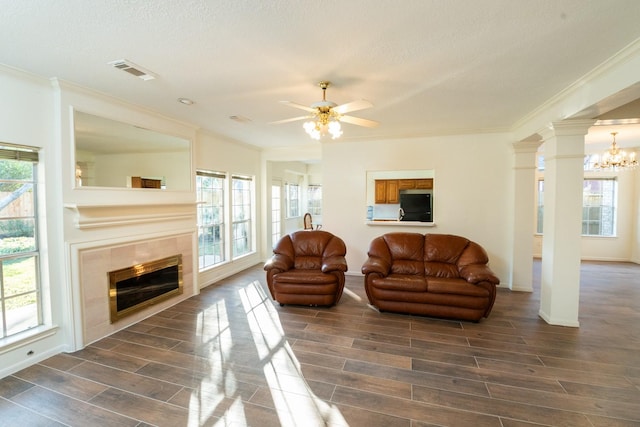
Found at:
[439, 275]
[307, 268]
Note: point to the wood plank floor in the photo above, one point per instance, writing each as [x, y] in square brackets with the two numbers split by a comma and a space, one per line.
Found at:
[231, 357]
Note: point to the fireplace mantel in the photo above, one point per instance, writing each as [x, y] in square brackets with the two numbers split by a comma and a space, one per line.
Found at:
[96, 216]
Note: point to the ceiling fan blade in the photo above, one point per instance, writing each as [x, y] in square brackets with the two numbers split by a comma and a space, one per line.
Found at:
[358, 121]
[300, 106]
[293, 119]
[352, 106]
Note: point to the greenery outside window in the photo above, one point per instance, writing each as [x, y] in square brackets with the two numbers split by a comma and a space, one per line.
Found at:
[211, 225]
[314, 199]
[599, 197]
[598, 207]
[20, 293]
[241, 215]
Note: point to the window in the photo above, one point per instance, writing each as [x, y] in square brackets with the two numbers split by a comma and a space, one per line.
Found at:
[293, 200]
[540, 210]
[20, 294]
[314, 199]
[275, 214]
[598, 207]
[211, 226]
[241, 216]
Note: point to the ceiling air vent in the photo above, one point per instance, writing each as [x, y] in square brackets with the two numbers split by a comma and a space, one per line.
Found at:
[132, 68]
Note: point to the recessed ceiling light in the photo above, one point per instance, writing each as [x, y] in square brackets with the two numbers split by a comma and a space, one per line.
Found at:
[185, 101]
[240, 119]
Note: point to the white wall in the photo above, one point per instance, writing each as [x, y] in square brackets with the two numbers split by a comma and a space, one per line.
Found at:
[314, 171]
[472, 190]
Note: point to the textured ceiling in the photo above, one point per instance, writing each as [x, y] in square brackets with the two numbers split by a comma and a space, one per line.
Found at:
[429, 66]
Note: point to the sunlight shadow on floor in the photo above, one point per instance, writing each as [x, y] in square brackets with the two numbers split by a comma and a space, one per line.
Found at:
[230, 341]
[295, 403]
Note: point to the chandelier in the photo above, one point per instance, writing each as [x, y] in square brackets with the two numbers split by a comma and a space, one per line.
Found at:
[615, 159]
[326, 122]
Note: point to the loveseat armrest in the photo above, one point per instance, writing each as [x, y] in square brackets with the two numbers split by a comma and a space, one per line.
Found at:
[476, 273]
[375, 264]
[278, 262]
[334, 263]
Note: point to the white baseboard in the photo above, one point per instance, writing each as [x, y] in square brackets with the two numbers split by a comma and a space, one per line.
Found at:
[32, 360]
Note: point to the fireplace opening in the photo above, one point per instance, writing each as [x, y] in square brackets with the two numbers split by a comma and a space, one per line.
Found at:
[134, 288]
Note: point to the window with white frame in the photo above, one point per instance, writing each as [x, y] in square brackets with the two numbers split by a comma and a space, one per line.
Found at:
[540, 207]
[241, 215]
[276, 210]
[598, 207]
[293, 200]
[314, 199]
[211, 224]
[20, 293]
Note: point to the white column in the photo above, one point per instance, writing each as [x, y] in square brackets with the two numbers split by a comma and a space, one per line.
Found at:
[563, 183]
[523, 215]
[635, 243]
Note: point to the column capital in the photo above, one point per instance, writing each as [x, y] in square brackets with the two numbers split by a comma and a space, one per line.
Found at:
[566, 128]
[526, 146]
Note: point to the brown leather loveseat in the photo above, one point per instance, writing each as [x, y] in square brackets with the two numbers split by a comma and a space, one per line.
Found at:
[439, 275]
[307, 268]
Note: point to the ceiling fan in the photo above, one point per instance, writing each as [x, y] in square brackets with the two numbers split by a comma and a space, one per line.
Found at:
[325, 116]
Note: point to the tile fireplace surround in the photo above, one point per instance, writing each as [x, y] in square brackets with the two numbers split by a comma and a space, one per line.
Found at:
[96, 262]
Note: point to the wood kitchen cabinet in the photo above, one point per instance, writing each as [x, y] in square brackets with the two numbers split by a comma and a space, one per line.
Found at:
[393, 192]
[381, 191]
[406, 184]
[415, 184]
[424, 184]
[388, 190]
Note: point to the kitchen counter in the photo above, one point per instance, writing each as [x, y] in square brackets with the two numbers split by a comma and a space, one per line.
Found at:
[396, 223]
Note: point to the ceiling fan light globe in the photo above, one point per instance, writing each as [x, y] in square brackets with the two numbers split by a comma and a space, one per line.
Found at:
[309, 126]
[335, 129]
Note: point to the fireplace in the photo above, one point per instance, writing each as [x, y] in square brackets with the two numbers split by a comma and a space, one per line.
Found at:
[134, 288]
